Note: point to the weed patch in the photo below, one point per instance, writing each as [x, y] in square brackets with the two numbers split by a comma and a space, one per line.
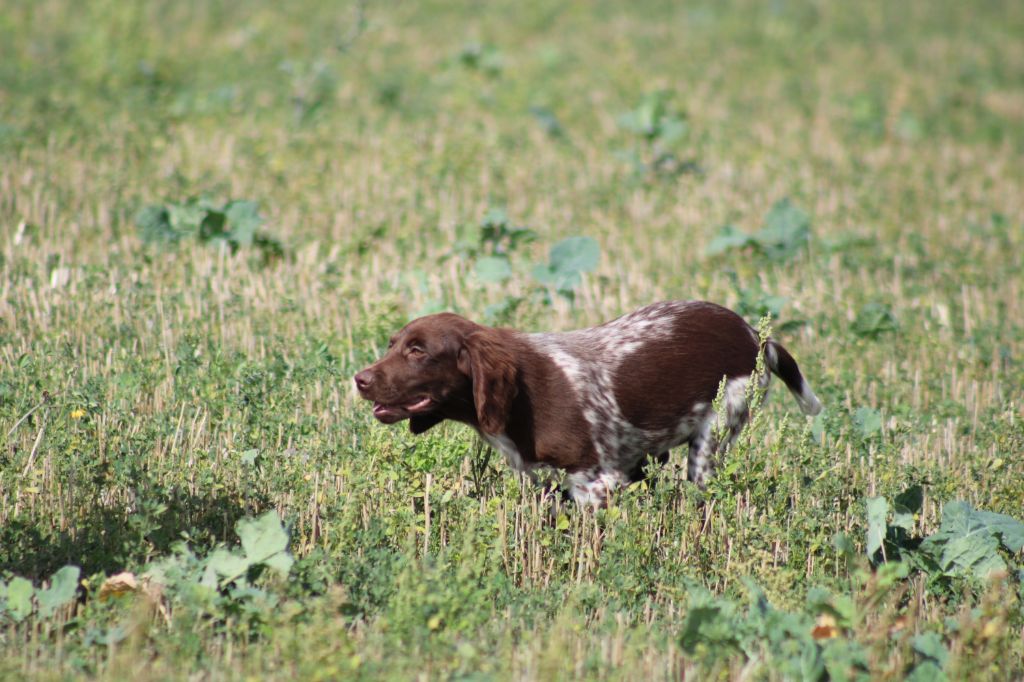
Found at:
[177, 416]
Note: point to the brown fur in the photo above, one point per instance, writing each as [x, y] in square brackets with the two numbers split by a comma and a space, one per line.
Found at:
[593, 402]
[674, 373]
[488, 378]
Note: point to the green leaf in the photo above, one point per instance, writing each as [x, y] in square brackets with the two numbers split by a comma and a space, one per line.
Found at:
[568, 259]
[62, 589]
[154, 225]
[910, 500]
[976, 553]
[574, 255]
[754, 302]
[728, 238]
[563, 282]
[672, 129]
[891, 573]
[968, 540]
[878, 510]
[956, 519]
[654, 119]
[227, 564]
[208, 582]
[868, 421]
[543, 273]
[186, 218]
[773, 304]
[841, 606]
[873, 320]
[819, 427]
[212, 226]
[520, 235]
[495, 217]
[844, 659]
[503, 237]
[843, 544]
[702, 623]
[281, 562]
[929, 645]
[485, 58]
[548, 122]
[926, 671]
[264, 537]
[236, 222]
[786, 229]
[468, 237]
[243, 220]
[501, 311]
[108, 636]
[902, 520]
[493, 269]
[846, 609]
[1009, 529]
[19, 599]
[905, 506]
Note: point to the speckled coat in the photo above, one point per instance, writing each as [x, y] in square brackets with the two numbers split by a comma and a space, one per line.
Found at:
[593, 402]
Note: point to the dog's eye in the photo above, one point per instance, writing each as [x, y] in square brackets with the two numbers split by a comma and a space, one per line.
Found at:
[415, 350]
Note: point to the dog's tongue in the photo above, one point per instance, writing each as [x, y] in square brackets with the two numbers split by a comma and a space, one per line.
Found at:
[384, 412]
[388, 413]
[419, 404]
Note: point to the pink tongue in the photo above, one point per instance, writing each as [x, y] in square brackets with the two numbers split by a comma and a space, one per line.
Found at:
[379, 409]
[421, 403]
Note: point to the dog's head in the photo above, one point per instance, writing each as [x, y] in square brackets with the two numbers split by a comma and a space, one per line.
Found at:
[442, 367]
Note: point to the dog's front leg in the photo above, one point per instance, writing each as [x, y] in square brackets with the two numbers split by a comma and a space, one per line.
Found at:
[593, 487]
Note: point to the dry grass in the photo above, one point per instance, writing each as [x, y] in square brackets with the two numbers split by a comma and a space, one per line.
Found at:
[895, 128]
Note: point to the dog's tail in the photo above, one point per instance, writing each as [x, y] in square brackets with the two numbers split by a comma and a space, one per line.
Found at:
[782, 364]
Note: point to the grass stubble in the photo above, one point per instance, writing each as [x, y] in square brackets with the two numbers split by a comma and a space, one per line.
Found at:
[149, 371]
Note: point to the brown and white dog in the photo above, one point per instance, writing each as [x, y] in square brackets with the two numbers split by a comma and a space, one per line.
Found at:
[593, 402]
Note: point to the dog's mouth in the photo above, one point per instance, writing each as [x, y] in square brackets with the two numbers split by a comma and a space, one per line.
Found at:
[389, 414]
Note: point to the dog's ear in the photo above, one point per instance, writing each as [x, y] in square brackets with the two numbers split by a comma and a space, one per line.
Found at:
[487, 361]
[418, 423]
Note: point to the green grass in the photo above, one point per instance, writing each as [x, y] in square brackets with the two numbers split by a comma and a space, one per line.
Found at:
[156, 393]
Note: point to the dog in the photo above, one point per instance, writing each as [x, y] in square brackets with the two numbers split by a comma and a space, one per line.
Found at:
[593, 402]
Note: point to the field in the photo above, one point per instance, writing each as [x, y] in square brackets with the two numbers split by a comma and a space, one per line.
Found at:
[212, 214]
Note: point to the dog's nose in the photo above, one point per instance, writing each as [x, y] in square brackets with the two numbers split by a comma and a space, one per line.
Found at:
[364, 379]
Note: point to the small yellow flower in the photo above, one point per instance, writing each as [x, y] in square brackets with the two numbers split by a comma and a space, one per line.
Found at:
[118, 585]
[825, 627]
[77, 414]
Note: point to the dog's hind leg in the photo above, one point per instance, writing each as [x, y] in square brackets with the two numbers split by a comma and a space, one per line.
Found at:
[719, 431]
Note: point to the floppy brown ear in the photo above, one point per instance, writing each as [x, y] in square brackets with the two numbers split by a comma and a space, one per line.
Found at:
[418, 423]
[491, 366]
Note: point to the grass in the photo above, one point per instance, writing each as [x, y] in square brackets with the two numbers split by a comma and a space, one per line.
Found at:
[153, 393]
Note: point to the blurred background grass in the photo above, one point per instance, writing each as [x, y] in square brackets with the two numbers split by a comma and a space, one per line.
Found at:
[371, 135]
